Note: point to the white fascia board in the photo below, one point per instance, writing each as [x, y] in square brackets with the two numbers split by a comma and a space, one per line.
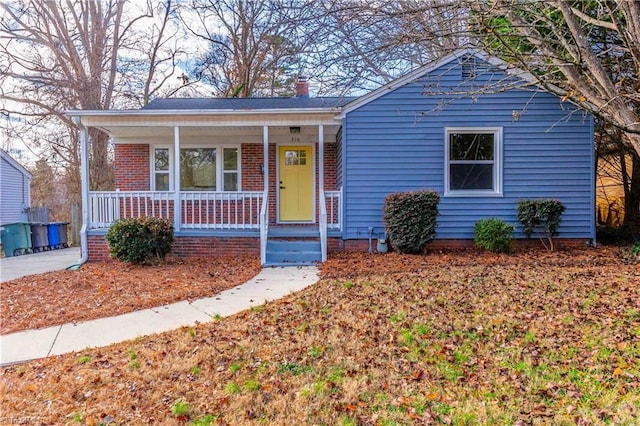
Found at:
[189, 112]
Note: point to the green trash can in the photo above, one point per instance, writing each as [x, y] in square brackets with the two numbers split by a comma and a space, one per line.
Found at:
[16, 239]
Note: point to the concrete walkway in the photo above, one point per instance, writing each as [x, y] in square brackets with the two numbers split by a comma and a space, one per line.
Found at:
[37, 263]
[269, 284]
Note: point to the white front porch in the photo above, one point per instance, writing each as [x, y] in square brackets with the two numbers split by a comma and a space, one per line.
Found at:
[207, 210]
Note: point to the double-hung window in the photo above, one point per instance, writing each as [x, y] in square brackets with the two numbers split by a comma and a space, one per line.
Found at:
[473, 164]
[213, 168]
[161, 169]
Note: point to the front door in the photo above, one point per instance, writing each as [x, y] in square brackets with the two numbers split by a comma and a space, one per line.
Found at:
[296, 183]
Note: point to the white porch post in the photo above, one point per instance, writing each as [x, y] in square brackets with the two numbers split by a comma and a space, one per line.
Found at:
[321, 157]
[265, 157]
[177, 205]
[84, 182]
[321, 198]
[264, 209]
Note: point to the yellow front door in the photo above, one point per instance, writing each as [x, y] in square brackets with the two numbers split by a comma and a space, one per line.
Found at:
[296, 183]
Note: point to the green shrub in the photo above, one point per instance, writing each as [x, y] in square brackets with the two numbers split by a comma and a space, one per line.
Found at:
[494, 235]
[138, 240]
[410, 219]
[542, 216]
[635, 250]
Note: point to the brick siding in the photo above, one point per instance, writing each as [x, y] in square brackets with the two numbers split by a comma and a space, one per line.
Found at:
[131, 167]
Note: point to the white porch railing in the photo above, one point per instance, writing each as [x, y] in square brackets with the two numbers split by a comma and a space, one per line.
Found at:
[105, 207]
[323, 226]
[334, 209]
[264, 227]
[199, 210]
[221, 210]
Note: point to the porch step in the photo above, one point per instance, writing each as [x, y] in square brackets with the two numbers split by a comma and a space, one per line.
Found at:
[294, 231]
[293, 252]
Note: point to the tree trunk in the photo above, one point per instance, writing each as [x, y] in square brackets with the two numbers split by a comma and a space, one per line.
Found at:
[100, 167]
[632, 196]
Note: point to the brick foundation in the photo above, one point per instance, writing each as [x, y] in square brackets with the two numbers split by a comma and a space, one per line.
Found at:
[363, 245]
[208, 247]
[194, 247]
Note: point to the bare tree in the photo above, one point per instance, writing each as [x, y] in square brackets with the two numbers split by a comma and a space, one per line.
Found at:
[253, 45]
[586, 52]
[59, 55]
[366, 44]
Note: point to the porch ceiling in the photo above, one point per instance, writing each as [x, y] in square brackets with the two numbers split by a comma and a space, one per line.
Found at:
[123, 133]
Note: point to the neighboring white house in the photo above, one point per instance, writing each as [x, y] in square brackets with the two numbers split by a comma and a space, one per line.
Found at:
[15, 193]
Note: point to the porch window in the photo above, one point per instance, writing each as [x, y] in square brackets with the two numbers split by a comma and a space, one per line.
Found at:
[198, 169]
[230, 171]
[473, 161]
[161, 169]
[201, 169]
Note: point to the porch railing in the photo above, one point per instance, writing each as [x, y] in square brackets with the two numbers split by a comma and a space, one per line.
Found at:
[199, 210]
[323, 225]
[221, 210]
[264, 227]
[105, 207]
[334, 209]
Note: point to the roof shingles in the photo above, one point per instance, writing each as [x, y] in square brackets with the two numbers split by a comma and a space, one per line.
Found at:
[236, 104]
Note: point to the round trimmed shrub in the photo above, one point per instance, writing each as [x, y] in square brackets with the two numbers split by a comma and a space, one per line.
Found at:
[410, 219]
[140, 239]
[494, 235]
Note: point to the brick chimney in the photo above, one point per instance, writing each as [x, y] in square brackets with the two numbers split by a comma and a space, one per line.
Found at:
[302, 87]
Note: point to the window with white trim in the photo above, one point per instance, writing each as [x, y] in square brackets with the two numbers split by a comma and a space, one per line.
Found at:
[201, 169]
[473, 164]
[161, 169]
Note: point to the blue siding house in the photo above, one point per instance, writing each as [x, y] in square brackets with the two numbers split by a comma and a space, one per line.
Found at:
[295, 178]
[15, 190]
[401, 136]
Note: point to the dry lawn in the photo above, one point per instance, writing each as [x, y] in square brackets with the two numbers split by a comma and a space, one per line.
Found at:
[103, 289]
[447, 338]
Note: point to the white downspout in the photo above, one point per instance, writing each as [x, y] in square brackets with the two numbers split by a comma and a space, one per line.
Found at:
[84, 188]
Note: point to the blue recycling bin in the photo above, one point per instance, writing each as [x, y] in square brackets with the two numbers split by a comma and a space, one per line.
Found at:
[53, 233]
[39, 237]
[16, 239]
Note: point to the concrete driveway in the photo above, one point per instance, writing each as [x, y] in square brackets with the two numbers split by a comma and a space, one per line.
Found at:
[37, 263]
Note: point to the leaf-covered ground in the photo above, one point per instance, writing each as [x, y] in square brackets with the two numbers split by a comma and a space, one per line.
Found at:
[103, 289]
[451, 338]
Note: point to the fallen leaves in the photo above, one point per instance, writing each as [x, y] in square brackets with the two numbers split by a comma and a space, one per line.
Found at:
[101, 289]
[447, 338]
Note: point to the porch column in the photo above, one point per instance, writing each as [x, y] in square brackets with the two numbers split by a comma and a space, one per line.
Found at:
[177, 205]
[265, 157]
[321, 157]
[84, 188]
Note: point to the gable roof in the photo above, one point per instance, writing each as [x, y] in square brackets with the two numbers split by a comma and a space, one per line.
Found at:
[426, 69]
[13, 163]
[255, 104]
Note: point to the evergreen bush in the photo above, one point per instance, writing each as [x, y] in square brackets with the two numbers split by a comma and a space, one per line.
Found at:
[494, 235]
[410, 219]
[540, 215]
[140, 239]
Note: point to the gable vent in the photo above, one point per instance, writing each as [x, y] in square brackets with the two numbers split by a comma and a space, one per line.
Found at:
[473, 67]
[469, 67]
